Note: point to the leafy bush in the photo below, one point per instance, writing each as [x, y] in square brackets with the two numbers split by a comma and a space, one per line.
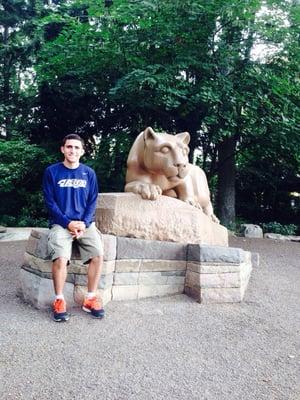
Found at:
[23, 221]
[276, 227]
[21, 170]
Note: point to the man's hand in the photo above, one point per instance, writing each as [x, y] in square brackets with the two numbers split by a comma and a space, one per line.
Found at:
[76, 228]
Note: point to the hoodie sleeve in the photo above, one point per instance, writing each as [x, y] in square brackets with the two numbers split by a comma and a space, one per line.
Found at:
[53, 208]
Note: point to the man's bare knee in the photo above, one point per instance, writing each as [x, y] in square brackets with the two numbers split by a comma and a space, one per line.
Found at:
[97, 259]
[60, 262]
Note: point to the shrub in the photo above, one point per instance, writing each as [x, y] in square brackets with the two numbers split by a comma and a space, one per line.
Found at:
[21, 170]
[276, 227]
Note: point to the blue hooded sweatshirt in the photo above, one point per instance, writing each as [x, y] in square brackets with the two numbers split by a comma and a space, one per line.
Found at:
[70, 194]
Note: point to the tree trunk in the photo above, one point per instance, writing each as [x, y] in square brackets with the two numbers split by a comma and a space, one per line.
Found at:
[6, 86]
[226, 181]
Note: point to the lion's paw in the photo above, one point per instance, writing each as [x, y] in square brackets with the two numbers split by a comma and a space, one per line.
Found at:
[193, 203]
[215, 219]
[148, 191]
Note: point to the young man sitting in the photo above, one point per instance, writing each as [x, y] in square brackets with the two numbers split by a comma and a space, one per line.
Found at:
[70, 192]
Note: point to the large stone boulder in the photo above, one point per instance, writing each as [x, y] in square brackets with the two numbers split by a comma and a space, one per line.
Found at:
[2, 229]
[252, 231]
[166, 219]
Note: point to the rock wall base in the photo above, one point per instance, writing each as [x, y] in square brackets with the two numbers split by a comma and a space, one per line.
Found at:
[137, 268]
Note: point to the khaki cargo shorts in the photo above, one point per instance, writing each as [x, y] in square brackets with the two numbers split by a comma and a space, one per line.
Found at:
[60, 243]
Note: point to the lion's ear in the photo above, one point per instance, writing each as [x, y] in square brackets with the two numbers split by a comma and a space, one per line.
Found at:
[184, 137]
[149, 134]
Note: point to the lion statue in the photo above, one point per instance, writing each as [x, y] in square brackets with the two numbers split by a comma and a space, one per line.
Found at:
[158, 164]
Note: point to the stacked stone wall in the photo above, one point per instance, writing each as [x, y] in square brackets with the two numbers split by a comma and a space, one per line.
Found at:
[137, 268]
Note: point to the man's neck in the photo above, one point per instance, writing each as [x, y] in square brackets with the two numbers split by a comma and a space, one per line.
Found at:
[69, 165]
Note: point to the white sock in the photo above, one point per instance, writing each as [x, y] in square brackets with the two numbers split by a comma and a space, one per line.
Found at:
[59, 296]
[90, 295]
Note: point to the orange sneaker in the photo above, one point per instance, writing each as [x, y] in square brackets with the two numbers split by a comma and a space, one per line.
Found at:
[93, 306]
[59, 311]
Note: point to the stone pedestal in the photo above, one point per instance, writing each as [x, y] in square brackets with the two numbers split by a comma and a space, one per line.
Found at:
[136, 268]
[165, 219]
[217, 274]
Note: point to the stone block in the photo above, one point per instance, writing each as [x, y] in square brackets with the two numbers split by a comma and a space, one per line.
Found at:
[193, 292]
[215, 254]
[81, 291]
[175, 280]
[192, 279]
[77, 267]
[245, 276]
[36, 263]
[159, 290]
[149, 278]
[176, 277]
[39, 291]
[37, 244]
[223, 280]
[131, 265]
[108, 267]
[163, 265]
[152, 278]
[128, 265]
[129, 248]
[208, 268]
[129, 292]
[126, 278]
[165, 219]
[47, 275]
[110, 247]
[105, 281]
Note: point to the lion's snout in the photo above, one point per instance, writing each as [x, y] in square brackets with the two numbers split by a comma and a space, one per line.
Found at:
[182, 169]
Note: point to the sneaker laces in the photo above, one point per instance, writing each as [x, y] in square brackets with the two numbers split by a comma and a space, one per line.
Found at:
[59, 306]
[94, 303]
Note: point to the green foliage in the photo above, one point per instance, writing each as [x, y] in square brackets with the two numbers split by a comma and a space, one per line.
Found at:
[21, 169]
[109, 162]
[108, 72]
[276, 227]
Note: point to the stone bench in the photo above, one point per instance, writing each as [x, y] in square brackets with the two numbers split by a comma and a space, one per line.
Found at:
[137, 268]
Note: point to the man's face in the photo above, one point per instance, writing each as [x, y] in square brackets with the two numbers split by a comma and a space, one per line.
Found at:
[72, 150]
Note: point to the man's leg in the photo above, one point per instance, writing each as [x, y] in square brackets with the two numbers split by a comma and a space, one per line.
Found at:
[94, 273]
[60, 248]
[59, 274]
[91, 304]
[91, 249]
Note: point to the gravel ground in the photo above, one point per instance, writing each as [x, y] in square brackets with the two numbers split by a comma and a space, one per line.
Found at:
[163, 348]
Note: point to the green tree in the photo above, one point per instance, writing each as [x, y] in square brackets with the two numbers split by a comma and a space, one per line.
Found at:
[17, 44]
[21, 169]
[108, 72]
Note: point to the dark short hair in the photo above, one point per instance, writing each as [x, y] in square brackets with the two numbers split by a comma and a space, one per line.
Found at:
[73, 136]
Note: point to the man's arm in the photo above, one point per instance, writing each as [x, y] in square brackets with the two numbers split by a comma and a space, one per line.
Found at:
[53, 208]
[92, 200]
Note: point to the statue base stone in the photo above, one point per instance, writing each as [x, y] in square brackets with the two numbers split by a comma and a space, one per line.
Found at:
[136, 268]
[164, 219]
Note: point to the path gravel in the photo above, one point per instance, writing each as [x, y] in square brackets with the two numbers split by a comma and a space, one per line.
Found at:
[164, 348]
